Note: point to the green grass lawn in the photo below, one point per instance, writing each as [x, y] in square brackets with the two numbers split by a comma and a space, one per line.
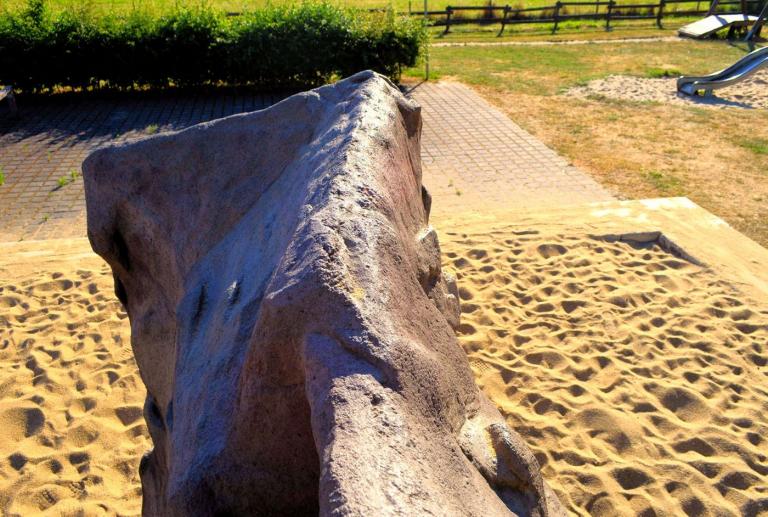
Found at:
[111, 6]
[546, 70]
[242, 5]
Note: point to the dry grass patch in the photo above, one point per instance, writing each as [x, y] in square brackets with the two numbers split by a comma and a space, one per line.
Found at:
[715, 157]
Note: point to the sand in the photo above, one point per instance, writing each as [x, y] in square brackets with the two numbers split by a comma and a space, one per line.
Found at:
[70, 394]
[752, 93]
[638, 377]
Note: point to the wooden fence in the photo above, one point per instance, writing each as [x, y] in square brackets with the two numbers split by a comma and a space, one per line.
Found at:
[601, 10]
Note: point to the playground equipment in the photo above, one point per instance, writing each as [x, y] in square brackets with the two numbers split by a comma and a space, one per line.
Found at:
[713, 23]
[737, 72]
[754, 32]
[7, 94]
[706, 27]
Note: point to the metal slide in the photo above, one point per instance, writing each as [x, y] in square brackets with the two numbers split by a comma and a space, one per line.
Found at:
[735, 73]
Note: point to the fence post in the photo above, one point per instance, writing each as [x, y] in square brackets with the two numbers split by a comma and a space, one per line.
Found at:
[448, 13]
[555, 16]
[608, 15]
[659, 13]
[754, 32]
[504, 20]
[426, 49]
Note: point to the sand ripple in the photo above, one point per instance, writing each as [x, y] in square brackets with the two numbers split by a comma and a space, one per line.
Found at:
[638, 378]
[70, 397]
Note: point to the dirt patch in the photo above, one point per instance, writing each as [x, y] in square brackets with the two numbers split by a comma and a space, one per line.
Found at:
[750, 94]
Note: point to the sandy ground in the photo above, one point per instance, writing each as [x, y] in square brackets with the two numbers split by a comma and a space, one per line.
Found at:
[639, 379]
[70, 394]
[752, 93]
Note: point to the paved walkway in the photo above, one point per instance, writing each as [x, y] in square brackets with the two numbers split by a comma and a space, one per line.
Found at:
[474, 157]
[39, 152]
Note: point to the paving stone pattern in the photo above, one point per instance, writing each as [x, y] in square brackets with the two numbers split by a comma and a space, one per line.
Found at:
[50, 139]
[474, 157]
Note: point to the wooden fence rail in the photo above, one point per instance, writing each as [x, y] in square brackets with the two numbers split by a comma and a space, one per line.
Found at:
[607, 10]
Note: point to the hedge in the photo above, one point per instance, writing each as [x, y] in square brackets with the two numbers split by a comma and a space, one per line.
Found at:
[277, 47]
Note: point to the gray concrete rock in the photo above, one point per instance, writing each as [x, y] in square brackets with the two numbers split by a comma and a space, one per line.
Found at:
[291, 321]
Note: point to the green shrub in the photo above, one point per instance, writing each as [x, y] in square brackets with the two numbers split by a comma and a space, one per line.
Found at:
[277, 47]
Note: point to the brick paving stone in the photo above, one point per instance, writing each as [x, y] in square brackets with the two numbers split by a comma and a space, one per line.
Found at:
[473, 157]
[50, 139]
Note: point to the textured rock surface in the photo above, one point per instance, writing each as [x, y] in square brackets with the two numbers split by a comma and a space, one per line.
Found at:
[291, 321]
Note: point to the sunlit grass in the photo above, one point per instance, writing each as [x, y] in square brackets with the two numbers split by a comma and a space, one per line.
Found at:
[756, 145]
[546, 70]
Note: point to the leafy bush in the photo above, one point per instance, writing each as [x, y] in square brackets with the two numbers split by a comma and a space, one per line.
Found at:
[277, 47]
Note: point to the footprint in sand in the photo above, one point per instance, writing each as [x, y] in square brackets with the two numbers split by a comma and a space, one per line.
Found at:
[551, 250]
[21, 422]
[630, 478]
[17, 460]
[684, 403]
